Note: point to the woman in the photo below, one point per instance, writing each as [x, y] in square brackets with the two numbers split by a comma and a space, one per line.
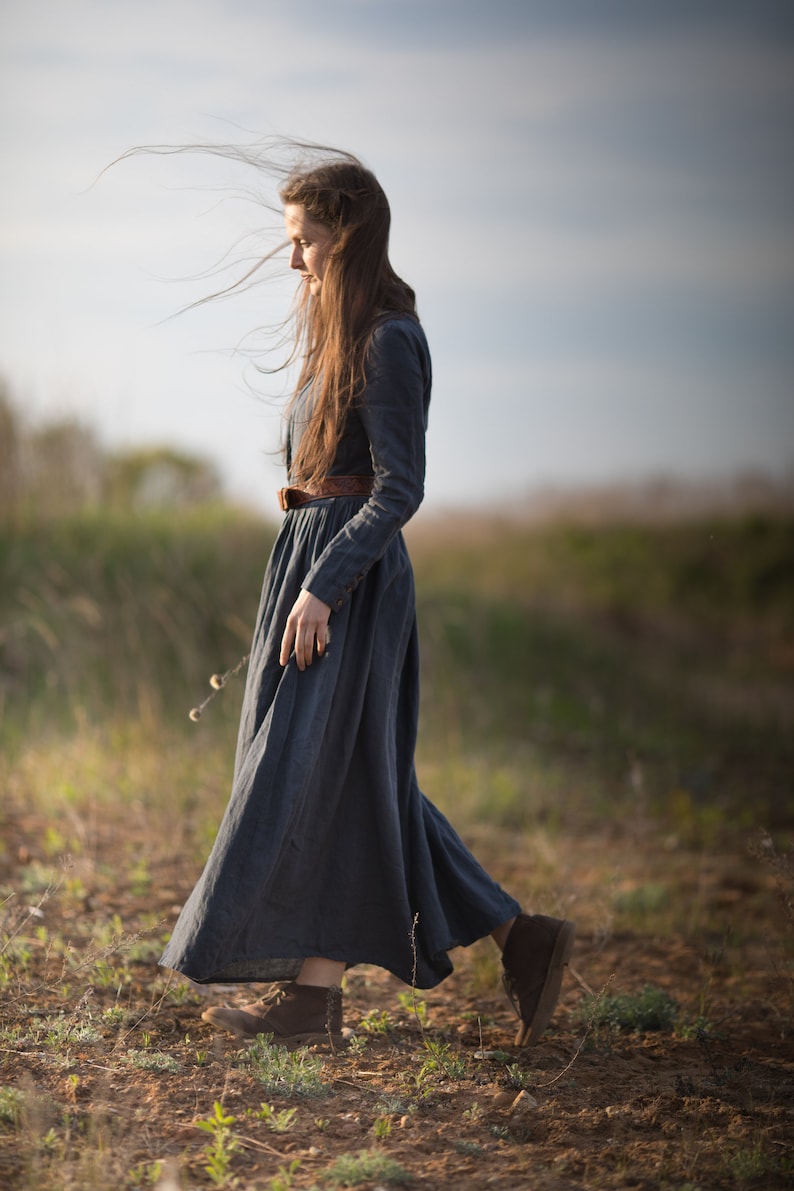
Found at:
[328, 854]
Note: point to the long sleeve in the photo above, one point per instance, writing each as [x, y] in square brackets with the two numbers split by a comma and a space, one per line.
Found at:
[393, 414]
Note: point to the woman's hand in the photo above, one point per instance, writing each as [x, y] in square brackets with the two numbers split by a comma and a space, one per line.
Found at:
[306, 623]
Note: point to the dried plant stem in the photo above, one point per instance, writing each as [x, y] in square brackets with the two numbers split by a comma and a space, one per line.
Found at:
[578, 1050]
[218, 682]
[414, 925]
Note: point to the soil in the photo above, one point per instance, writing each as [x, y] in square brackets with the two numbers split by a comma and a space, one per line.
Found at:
[432, 1080]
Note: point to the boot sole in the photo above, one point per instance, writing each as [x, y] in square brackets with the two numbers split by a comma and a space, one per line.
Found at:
[229, 1020]
[529, 1032]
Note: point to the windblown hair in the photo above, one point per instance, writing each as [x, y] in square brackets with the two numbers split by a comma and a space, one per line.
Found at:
[359, 289]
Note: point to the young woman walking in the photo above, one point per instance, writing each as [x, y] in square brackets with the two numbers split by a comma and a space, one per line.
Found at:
[328, 854]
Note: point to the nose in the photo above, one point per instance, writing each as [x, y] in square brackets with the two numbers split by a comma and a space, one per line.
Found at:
[296, 257]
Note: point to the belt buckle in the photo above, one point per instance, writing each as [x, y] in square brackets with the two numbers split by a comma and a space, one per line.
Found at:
[283, 499]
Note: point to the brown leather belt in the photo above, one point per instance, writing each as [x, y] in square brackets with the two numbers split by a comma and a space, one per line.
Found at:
[293, 498]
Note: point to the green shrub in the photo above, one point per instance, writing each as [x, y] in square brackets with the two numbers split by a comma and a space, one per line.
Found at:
[644, 1012]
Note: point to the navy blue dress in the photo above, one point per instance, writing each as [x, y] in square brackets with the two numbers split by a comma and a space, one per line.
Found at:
[328, 847]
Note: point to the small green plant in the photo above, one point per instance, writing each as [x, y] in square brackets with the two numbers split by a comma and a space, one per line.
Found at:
[140, 878]
[377, 1021]
[17, 956]
[322, 1123]
[648, 1011]
[367, 1166]
[105, 975]
[11, 1102]
[144, 951]
[153, 1060]
[222, 1146]
[183, 994]
[114, 1015]
[53, 843]
[442, 1061]
[281, 1121]
[75, 888]
[697, 1029]
[748, 1166]
[381, 1127]
[51, 1143]
[65, 1031]
[393, 1106]
[518, 1078]
[284, 1177]
[284, 1072]
[516, 1136]
[146, 1174]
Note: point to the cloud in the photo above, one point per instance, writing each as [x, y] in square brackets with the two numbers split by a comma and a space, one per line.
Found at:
[597, 190]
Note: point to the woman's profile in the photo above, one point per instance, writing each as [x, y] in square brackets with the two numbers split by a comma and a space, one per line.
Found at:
[328, 854]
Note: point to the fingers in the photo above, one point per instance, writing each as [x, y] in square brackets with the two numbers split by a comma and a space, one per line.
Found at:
[307, 626]
[286, 643]
[304, 640]
[304, 648]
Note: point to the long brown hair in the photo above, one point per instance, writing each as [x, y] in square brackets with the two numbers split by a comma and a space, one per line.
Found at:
[359, 288]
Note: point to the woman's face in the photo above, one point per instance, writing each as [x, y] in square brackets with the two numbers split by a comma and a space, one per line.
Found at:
[309, 242]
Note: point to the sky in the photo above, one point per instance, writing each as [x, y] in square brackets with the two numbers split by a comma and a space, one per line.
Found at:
[593, 201]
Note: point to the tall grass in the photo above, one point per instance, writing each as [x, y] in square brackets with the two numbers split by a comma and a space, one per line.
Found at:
[569, 673]
[113, 615]
[619, 667]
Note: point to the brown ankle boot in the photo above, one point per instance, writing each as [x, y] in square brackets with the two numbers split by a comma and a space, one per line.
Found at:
[259, 1008]
[536, 951]
[296, 1015]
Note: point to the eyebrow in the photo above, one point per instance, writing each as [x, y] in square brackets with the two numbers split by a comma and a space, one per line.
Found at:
[311, 236]
[298, 233]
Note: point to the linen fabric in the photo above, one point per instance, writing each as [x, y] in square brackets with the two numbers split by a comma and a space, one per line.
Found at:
[327, 846]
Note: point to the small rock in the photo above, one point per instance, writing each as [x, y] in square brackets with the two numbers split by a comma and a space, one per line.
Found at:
[523, 1103]
[503, 1099]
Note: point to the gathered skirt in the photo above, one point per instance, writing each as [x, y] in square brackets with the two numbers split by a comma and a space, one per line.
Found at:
[327, 846]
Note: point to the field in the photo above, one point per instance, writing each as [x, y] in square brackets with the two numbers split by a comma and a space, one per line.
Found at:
[607, 719]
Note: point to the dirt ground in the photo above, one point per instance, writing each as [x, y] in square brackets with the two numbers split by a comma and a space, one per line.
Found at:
[105, 1067]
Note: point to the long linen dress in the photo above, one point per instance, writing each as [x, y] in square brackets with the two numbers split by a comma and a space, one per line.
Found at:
[327, 847]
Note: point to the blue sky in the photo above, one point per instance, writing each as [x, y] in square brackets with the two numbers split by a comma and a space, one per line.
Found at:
[593, 201]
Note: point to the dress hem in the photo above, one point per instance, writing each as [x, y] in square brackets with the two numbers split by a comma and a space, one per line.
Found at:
[281, 968]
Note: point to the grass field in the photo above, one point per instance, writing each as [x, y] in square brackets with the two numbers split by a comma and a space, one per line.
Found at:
[607, 718]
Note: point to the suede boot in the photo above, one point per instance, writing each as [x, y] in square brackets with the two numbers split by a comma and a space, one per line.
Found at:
[295, 1014]
[536, 951]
